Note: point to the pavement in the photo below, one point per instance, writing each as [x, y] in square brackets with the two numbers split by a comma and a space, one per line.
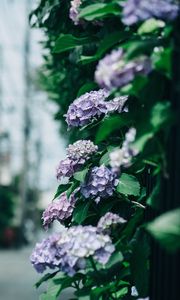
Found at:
[17, 277]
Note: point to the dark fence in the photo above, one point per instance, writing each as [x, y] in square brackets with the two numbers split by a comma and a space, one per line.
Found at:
[164, 267]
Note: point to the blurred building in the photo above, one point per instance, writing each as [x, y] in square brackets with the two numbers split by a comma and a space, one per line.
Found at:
[30, 146]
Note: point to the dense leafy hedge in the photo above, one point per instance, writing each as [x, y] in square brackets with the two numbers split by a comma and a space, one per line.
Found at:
[128, 121]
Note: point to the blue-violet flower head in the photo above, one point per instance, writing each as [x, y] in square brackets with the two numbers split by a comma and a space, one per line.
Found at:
[60, 209]
[140, 10]
[113, 71]
[100, 183]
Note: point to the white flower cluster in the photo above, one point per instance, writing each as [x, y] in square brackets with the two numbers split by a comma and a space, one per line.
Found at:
[122, 156]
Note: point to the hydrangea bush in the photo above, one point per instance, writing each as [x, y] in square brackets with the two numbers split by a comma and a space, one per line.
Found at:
[109, 69]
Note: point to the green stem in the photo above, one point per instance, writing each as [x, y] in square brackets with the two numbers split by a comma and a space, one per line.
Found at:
[138, 204]
[93, 264]
[76, 285]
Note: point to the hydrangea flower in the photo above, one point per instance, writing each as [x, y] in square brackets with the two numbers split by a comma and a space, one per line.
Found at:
[140, 10]
[88, 106]
[59, 210]
[45, 254]
[69, 250]
[101, 183]
[113, 71]
[108, 220]
[82, 149]
[77, 154]
[67, 167]
[74, 11]
[117, 104]
[86, 242]
[93, 105]
[123, 156]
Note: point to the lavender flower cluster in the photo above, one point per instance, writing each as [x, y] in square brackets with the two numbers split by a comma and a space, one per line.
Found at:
[81, 150]
[123, 156]
[59, 210]
[140, 10]
[113, 71]
[77, 154]
[45, 254]
[100, 183]
[91, 106]
[86, 107]
[69, 250]
[108, 220]
[74, 11]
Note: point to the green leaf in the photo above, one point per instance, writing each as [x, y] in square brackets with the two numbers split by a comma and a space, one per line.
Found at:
[67, 42]
[71, 189]
[89, 86]
[139, 263]
[150, 25]
[104, 159]
[81, 212]
[162, 61]
[106, 44]
[121, 293]
[153, 199]
[166, 229]
[128, 185]
[139, 47]
[160, 115]
[132, 225]
[65, 281]
[80, 176]
[53, 291]
[109, 124]
[115, 258]
[110, 40]
[61, 189]
[45, 278]
[99, 10]
[98, 291]
[83, 292]
[142, 140]
[46, 296]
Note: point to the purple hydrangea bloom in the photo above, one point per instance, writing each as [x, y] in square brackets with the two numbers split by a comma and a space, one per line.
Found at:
[108, 220]
[45, 254]
[77, 154]
[101, 183]
[113, 71]
[67, 167]
[59, 210]
[81, 150]
[74, 11]
[69, 250]
[140, 10]
[117, 104]
[86, 107]
[86, 242]
[123, 156]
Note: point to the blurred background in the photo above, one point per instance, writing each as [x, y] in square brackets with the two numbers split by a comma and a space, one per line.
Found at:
[30, 149]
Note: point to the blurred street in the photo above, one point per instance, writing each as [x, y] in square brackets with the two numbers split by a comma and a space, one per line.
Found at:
[17, 276]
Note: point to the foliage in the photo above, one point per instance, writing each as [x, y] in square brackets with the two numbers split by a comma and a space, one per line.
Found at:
[166, 229]
[71, 59]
